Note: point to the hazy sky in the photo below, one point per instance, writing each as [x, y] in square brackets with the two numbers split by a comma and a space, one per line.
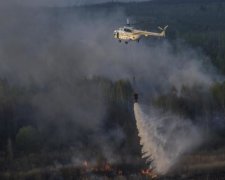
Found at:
[61, 2]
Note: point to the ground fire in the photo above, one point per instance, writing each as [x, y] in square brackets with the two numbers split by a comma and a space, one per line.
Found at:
[117, 170]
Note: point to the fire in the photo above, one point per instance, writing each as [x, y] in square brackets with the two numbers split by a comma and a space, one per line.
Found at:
[149, 172]
[106, 169]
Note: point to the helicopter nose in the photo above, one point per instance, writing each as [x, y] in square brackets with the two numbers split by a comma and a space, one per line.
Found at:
[115, 34]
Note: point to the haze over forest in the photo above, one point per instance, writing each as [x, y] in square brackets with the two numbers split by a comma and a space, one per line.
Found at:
[66, 90]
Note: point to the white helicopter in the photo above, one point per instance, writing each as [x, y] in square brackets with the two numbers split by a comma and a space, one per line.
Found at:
[128, 33]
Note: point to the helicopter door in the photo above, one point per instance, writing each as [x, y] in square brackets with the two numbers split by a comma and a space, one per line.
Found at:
[117, 35]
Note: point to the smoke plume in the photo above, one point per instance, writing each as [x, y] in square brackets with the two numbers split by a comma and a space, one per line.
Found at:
[58, 50]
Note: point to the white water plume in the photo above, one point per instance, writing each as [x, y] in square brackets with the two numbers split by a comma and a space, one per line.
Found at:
[164, 137]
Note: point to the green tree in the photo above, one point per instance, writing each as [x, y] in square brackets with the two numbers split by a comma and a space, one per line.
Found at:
[9, 150]
[218, 91]
[27, 139]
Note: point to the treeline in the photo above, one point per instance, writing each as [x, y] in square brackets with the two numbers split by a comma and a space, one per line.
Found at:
[20, 133]
[55, 140]
[205, 107]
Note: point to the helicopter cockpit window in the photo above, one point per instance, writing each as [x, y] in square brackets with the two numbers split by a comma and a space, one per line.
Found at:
[127, 30]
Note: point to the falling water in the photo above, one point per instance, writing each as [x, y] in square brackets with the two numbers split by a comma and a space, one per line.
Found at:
[164, 137]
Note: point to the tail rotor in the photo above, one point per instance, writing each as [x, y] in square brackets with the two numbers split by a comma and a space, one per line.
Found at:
[163, 30]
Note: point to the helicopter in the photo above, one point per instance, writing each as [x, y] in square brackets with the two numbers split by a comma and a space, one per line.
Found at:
[128, 33]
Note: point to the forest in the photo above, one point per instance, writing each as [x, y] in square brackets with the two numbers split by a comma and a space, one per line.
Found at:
[31, 141]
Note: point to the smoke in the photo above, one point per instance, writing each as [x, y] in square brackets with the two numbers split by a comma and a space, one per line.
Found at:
[164, 137]
[67, 45]
[60, 51]
[154, 66]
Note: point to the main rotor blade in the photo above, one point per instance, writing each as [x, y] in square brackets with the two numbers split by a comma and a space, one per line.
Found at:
[128, 21]
[160, 28]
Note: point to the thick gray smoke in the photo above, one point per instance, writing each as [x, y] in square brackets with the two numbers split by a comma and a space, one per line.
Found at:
[164, 137]
[157, 66]
[56, 50]
[38, 45]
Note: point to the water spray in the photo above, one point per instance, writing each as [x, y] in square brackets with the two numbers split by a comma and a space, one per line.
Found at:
[164, 137]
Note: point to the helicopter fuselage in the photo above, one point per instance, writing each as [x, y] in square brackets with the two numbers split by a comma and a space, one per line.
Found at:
[131, 34]
[126, 34]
